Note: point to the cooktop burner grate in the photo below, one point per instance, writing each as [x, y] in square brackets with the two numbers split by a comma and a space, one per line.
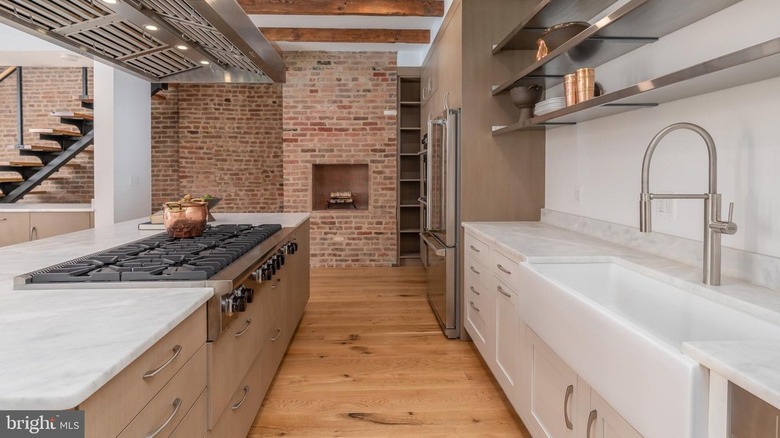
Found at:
[161, 257]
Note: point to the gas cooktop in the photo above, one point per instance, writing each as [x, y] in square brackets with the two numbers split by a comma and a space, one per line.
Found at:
[162, 258]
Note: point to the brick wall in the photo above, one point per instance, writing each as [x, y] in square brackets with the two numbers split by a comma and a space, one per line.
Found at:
[220, 139]
[334, 105]
[46, 89]
[165, 148]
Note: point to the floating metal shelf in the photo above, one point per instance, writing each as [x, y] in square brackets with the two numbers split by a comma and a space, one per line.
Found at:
[752, 64]
[633, 24]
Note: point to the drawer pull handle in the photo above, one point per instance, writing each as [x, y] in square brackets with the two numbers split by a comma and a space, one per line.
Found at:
[276, 335]
[474, 270]
[471, 303]
[241, 402]
[473, 290]
[33, 233]
[504, 293]
[176, 406]
[3, 219]
[591, 419]
[474, 248]
[154, 372]
[566, 398]
[503, 269]
[248, 323]
[278, 282]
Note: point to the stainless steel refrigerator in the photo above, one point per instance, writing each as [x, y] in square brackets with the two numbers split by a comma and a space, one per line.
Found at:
[442, 219]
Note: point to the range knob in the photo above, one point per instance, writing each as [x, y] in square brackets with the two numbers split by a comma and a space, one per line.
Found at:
[271, 266]
[294, 247]
[233, 303]
[277, 261]
[247, 293]
[280, 254]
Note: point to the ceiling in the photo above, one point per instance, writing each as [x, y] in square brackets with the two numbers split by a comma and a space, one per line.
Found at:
[403, 26]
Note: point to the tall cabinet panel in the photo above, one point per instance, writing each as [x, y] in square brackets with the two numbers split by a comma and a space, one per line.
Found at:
[409, 171]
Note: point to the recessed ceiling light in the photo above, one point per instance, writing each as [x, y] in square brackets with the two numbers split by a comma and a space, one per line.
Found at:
[111, 2]
[150, 27]
[182, 47]
[204, 62]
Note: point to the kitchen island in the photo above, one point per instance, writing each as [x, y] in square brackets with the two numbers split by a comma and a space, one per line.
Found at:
[63, 345]
[621, 335]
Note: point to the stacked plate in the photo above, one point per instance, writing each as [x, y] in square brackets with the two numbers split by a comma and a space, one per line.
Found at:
[549, 105]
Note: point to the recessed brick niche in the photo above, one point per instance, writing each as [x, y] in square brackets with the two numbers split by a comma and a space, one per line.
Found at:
[327, 178]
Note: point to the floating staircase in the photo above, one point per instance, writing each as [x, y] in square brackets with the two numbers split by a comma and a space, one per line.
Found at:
[48, 158]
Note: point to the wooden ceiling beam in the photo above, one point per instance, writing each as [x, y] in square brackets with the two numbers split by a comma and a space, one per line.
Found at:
[406, 8]
[290, 34]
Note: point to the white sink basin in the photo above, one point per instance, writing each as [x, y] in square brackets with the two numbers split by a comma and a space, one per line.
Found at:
[622, 332]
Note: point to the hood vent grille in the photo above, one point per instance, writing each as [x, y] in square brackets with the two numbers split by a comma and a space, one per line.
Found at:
[185, 47]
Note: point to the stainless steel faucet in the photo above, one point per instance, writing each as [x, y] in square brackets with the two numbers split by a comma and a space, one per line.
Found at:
[713, 226]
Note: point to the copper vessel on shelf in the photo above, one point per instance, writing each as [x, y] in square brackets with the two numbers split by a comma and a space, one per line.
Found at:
[185, 219]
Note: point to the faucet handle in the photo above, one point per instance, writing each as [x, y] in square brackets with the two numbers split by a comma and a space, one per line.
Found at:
[725, 227]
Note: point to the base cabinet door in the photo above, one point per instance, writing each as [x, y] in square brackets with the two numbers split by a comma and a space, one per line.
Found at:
[510, 342]
[605, 422]
[14, 228]
[552, 388]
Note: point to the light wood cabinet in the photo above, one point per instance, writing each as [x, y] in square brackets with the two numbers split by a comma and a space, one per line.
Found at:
[117, 403]
[552, 394]
[167, 409]
[14, 228]
[24, 226]
[43, 225]
[195, 422]
[280, 304]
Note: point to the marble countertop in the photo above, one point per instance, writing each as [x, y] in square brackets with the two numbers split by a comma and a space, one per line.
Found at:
[754, 365]
[45, 208]
[60, 346]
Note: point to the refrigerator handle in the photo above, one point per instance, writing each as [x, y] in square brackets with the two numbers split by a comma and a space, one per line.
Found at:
[438, 249]
[429, 173]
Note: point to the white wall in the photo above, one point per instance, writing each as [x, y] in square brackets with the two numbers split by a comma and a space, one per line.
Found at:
[604, 156]
[123, 146]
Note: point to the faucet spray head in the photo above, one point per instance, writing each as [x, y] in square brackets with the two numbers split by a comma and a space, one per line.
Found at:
[645, 213]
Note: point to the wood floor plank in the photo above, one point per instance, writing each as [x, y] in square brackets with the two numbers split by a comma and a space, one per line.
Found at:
[369, 360]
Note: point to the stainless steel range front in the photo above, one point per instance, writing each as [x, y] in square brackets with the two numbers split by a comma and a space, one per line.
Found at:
[230, 258]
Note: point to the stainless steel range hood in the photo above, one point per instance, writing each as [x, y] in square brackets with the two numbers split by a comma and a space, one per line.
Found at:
[205, 41]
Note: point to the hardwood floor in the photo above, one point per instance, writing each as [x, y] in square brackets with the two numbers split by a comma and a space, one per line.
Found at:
[369, 360]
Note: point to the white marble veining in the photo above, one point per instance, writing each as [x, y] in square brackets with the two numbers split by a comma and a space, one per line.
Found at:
[45, 208]
[752, 365]
[60, 346]
[750, 267]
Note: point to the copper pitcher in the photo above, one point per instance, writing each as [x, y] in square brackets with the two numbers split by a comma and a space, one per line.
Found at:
[185, 219]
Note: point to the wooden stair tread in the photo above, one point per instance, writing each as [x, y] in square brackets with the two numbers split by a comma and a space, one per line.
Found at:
[11, 179]
[55, 131]
[22, 164]
[75, 115]
[37, 147]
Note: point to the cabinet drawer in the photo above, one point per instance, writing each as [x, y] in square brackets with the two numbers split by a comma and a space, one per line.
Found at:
[245, 401]
[475, 272]
[168, 408]
[477, 249]
[505, 267]
[111, 409]
[194, 424]
[231, 355]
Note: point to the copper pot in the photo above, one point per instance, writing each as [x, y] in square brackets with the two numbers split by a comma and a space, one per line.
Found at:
[185, 219]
